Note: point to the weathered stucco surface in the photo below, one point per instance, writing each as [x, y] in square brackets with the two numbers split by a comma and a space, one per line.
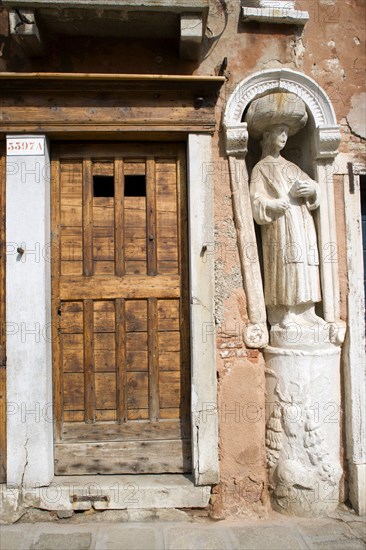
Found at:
[330, 49]
[241, 434]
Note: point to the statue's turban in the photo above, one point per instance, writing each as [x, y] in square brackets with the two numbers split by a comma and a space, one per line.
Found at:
[274, 109]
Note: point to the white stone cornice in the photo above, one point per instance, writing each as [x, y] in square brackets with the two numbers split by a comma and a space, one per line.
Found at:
[272, 14]
[191, 35]
[237, 140]
[326, 141]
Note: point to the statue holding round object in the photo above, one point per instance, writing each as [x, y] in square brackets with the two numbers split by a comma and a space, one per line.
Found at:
[283, 198]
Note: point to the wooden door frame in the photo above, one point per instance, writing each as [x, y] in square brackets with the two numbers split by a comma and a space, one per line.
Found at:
[204, 418]
[195, 125]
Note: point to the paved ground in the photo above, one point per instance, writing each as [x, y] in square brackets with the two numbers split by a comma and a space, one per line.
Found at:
[343, 531]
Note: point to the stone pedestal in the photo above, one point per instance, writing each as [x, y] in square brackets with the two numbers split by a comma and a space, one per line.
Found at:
[302, 428]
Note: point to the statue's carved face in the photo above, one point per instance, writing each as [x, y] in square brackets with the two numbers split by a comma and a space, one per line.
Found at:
[279, 136]
[276, 137]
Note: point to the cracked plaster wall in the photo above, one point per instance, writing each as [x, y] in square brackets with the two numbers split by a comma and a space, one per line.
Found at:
[330, 49]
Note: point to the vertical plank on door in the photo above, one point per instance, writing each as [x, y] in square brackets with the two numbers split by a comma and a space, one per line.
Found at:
[119, 241]
[2, 323]
[55, 293]
[87, 218]
[121, 361]
[152, 327]
[184, 301]
[89, 378]
[151, 217]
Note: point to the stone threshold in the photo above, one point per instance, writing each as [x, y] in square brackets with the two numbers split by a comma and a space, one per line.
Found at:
[109, 492]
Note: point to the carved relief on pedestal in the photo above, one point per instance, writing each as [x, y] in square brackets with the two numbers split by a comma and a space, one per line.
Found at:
[302, 429]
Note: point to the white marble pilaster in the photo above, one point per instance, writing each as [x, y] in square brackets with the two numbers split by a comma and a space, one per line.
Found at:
[203, 338]
[28, 307]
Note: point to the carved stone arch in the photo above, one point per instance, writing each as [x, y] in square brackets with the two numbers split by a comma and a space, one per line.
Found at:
[297, 83]
[286, 80]
[325, 141]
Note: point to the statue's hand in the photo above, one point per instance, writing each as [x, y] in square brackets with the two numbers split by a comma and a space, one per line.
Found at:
[279, 206]
[305, 189]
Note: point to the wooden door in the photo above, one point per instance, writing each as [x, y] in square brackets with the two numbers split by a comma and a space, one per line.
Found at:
[120, 309]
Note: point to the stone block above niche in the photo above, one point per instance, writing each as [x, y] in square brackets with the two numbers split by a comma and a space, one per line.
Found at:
[287, 4]
[273, 11]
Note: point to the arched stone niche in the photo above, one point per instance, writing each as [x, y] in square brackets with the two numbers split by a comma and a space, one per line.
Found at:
[324, 134]
[302, 367]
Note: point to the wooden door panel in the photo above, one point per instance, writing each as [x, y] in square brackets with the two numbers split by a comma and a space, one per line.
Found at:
[111, 288]
[120, 322]
[127, 431]
[121, 456]
[72, 352]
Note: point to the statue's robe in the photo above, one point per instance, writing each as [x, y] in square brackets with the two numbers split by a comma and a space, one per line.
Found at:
[290, 253]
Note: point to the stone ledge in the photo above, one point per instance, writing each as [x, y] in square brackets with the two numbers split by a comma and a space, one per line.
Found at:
[109, 18]
[118, 492]
[274, 15]
[154, 5]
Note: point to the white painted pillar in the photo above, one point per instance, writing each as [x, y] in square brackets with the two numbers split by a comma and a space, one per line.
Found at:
[354, 352]
[28, 310]
[202, 285]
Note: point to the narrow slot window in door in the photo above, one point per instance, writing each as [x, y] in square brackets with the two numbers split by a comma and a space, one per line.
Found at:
[135, 186]
[103, 186]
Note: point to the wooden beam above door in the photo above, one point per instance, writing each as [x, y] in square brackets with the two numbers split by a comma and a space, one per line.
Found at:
[72, 103]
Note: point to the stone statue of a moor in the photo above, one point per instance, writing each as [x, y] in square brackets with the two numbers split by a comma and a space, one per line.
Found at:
[283, 198]
[302, 364]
